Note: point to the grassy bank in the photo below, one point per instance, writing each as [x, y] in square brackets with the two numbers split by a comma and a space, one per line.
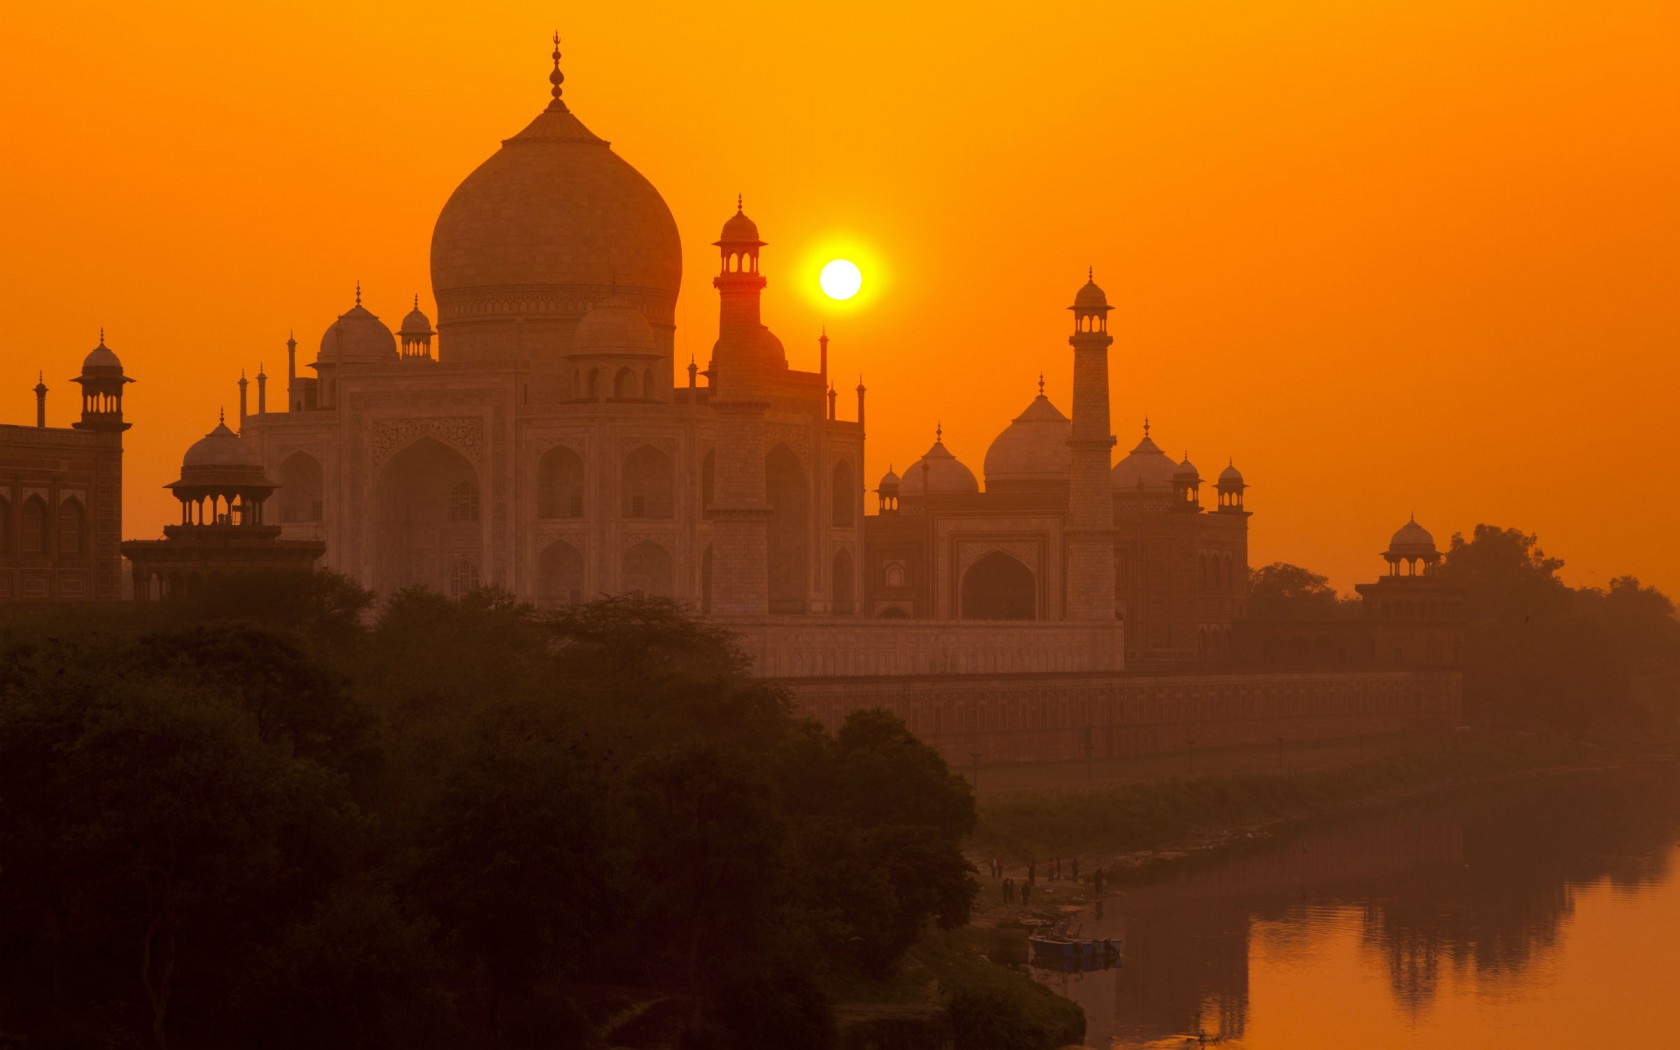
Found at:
[1188, 811]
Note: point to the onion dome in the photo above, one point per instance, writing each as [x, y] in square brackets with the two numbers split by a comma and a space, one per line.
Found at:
[356, 338]
[1412, 541]
[1033, 448]
[1145, 469]
[1090, 297]
[416, 324]
[544, 225]
[740, 229]
[222, 459]
[938, 473]
[614, 326]
[889, 482]
[1187, 470]
[100, 361]
[1231, 477]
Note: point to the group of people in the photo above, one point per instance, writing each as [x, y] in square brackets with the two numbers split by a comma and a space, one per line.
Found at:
[1021, 892]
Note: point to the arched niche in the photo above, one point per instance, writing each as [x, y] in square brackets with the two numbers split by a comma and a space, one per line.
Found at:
[787, 541]
[301, 489]
[426, 528]
[560, 484]
[72, 528]
[647, 568]
[999, 587]
[647, 484]
[560, 574]
[844, 495]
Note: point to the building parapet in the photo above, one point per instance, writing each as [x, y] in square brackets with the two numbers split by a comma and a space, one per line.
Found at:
[849, 647]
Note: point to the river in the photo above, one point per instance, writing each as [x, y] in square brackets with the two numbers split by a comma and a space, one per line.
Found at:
[1538, 915]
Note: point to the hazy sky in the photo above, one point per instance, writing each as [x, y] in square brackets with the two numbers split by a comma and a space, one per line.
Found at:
[1392, 257]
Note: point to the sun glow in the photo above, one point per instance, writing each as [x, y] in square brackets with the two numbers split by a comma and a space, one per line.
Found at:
[840, 279]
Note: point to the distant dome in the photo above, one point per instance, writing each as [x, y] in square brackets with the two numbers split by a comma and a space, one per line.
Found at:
[889, 480]
[357, 337]
[740, 230]
[614, 325]
[101, 361]
[1412, 539]
[1186, 469]
[1230, 477]
[1033, 448]
[222, 457]
[938, 473]
[1090, 297]
[416, 323]
[544, 227]
[1145, 469]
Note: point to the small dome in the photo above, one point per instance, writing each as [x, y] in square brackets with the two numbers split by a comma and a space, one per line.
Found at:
[889, 480]
[1187, 469]
[357, 337]
[614, 326]
[1412, 539]
[938, 473]
[222, 457]
[101, 361]
[739, 230]
[1090, 297]
[1230, 477]
[416, 323]
[1033, 448]
[1145, 469]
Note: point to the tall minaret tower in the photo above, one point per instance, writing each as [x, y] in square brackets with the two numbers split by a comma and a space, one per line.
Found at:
[740, 358]
[1090, 527]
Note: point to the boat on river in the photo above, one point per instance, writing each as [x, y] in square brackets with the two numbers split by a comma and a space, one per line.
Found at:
[1069, 952]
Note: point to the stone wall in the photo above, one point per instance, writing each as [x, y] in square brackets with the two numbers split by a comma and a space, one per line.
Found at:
[893, 650]
[999, 718]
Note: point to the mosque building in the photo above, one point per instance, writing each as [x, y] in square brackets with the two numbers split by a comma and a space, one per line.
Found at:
[535, 440]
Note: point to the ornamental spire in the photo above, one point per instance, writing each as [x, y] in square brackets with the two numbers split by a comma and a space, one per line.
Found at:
[556, 78]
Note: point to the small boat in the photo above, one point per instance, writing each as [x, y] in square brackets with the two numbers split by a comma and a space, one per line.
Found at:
[1059, 948]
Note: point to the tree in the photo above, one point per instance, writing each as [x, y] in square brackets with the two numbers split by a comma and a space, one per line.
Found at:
[1281, 591]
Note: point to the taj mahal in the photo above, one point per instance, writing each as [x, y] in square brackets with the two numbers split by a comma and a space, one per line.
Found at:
[539, 439]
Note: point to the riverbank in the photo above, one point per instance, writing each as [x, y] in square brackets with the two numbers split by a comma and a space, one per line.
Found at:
[1125, 826]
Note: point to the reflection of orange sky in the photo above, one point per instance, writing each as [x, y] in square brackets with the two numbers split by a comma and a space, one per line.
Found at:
[1391, 256]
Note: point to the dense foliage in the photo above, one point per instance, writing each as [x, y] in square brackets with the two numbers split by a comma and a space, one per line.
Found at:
[257, 822]
[1537, 652]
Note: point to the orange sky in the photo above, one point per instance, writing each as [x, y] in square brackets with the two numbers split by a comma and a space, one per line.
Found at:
[1391, 256]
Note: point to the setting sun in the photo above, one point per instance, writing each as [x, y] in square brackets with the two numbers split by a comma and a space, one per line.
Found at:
[840, 279]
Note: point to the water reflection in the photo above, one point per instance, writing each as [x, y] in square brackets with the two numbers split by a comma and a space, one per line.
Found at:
[1482, 886]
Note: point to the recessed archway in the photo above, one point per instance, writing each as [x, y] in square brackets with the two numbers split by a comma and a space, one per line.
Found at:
[999, 587]
[426, 527]
[787, 546]
[560, 574]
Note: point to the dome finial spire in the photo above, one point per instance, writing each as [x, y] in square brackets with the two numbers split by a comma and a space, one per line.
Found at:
[1041, 384]
[939, 431]
[101, 335]
[417, 300]
[739, 205]
[556, 78]
[1091, 274]
[221, 416]
[1145, 426]
[358, 292]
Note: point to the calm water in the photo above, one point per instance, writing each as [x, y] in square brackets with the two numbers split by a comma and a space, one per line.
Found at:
[1534, 916]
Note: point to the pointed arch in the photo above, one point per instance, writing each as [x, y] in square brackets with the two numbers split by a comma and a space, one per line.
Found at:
[624, 385]
[647, 484]
[647, 568]
[999, 587]
[32, 526]
[426, 519]
[301, 488]
[560, 484]
[844, 494]
[72, 528]
[788, 543]
[560, 574]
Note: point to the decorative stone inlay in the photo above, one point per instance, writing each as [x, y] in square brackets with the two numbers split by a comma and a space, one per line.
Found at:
[464, 433]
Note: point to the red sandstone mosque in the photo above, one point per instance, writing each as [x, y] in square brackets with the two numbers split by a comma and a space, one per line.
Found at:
[536, 441]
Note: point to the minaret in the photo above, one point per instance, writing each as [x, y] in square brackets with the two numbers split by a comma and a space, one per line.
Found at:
[294, 397]
[102, 381]
[40, 399]
[1090, 526]
[262, 390]
[741, 507]
[244, 404]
